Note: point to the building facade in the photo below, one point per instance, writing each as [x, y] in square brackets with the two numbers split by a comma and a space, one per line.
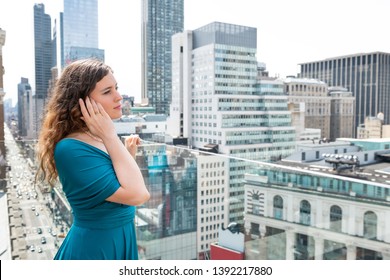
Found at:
[330, 109]
[220, 98]
[314, 95]
[44, 51]
[366, 75]
[320, 221]
[25, 103]
[342, 114]
[80, 38]
[45, 60]
[212, 197]
[160, 20]
[372, 128]
[2, 94]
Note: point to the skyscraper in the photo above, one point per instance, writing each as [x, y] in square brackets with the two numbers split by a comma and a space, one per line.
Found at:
[24, 107]
[43, 50]
[80, 31]
[45, 59]
[160, 20]
[366, 75]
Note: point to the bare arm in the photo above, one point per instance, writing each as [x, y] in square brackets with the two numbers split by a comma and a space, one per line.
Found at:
[132, 190]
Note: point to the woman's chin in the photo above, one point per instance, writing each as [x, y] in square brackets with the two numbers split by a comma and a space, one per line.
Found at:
[116, 116]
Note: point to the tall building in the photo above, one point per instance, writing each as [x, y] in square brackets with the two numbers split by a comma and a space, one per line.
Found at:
[212, 197]
[342, 105]
[80, 31]
[220, 102]
[25, 107]
[43, 50]
[45, 59]
[2, 94]
[314, 105]
[366, 75]
[160, 20]
[314, 94]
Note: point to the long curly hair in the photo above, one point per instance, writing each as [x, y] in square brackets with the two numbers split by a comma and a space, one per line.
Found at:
[63, 114]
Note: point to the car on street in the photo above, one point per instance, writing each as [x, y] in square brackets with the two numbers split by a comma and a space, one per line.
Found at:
[43, 240]
[39, 230]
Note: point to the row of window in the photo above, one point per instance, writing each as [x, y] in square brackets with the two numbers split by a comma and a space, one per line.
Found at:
[206, 140]
[370, 219]
[212, 191]
[305, 88]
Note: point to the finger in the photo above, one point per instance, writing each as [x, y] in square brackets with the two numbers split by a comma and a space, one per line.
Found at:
[94, 106]
[101, 109]
[132, 140]
[83, 108]
[88, 102]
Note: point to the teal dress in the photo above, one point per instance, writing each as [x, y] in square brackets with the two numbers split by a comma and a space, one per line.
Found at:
[101, 230]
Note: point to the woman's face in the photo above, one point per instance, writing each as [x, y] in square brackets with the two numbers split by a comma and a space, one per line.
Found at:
[106, 93]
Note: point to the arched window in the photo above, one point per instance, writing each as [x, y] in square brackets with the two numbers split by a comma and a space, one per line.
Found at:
[305, 212]
[370, 225]
[336, 216]
[278, 207]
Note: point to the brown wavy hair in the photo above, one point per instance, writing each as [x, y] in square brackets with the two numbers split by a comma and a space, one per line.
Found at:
[63, 114]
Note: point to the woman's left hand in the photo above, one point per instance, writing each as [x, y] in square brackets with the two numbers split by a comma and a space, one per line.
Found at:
[131, 144]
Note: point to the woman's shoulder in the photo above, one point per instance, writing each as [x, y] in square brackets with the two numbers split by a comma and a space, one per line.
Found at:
[69, 142]
[67, 145]
[73, 139]
[70, 147]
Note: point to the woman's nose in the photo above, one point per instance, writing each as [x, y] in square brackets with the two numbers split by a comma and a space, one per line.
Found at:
[118, 96]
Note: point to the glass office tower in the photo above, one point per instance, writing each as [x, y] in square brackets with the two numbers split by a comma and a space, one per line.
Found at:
[45, 59]
[43, 50]
[160, 20]
[80, 31]
[366, 75]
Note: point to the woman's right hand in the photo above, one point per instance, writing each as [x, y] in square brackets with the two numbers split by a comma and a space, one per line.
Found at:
[96, 118]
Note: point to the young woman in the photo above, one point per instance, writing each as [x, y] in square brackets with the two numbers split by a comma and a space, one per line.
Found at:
[78, 145]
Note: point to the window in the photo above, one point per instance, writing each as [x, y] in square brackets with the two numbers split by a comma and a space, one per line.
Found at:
[336, 215]
[370, 225]
[255, 229]
[278, 207]
[305, 212]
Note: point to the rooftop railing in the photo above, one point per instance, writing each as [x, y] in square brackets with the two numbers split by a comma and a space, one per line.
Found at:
[284, 211]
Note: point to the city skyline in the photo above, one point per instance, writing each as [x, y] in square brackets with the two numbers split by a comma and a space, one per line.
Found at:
[289, 33]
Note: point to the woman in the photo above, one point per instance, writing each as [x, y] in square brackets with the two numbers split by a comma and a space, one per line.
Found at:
[78, 144]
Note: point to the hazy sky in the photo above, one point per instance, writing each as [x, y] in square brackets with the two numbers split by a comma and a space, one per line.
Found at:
[289, 32]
